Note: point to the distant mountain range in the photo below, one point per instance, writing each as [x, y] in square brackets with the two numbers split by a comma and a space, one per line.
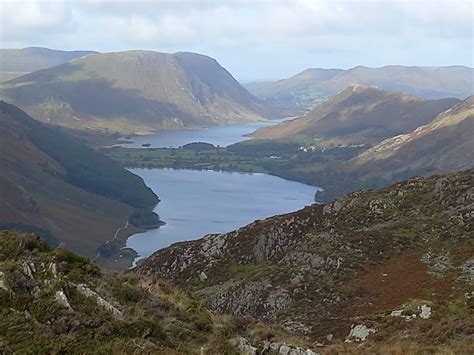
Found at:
[361, 114]
[136, 92]
[18, 62]
[64, 191]
[312, 86]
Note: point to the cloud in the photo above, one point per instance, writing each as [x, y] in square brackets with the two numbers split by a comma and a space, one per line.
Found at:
[257, 38]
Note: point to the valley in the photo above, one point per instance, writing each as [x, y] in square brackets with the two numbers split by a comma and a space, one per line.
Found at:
[150, 203]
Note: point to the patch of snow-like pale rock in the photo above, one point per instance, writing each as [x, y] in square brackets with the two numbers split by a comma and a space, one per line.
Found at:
[61, 298]
[360, 332]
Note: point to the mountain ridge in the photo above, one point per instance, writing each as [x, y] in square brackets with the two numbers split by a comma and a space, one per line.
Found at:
[364, 114]
[304, 91]
[137, 92]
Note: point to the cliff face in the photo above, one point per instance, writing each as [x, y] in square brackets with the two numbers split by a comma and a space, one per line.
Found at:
[326, 268]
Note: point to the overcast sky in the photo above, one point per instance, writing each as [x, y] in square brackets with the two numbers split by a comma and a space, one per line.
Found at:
[254, 39]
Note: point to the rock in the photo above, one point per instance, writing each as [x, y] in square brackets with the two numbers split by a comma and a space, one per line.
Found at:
[52, 269]
[284, 350]
[360, 332]
[61, 298]
[425, 311]
[202, 276]
[296, 327]
[85, 291]
[244, 346]
[397, 313]
[27, 270]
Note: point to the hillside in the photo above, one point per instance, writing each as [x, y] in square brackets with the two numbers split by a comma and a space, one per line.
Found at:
[68, 193]
[445, 144]
[312, 86]
[136, 92]
[389, 266]
[52, 301]
[18, 62]
[361, 114]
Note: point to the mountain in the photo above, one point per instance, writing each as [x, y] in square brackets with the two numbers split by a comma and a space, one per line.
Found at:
[136, 92]
[389, 266]
[378, 271]
[66, 192]
[361, 114]
[312, 86]
[445, 144]
[18, 62]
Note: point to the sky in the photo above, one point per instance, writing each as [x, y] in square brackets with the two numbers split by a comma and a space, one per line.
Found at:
[254, 40]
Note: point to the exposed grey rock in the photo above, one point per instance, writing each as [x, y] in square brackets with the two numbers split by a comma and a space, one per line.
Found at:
[438, 263]
[27, 270]
[202, 276]
[244, 346]
[425, 311]
[296, 327]
[85, 291]
[61, 298]
[52, 269]
[360, 332]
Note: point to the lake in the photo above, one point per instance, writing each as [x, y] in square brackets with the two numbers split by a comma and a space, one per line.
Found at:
[195, 203]
[220, 135]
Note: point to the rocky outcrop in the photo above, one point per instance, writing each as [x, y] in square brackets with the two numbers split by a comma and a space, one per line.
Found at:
[310, 267]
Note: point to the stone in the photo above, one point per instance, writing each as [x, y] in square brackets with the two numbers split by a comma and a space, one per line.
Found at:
[202, 276]
[425, 311]
[27, 270]
[244, 346]
[61, 298]
[360, 332]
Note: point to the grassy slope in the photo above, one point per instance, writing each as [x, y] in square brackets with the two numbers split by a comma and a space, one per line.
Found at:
[51, 181]
[154, 316]
[361, 114]
[322, 269]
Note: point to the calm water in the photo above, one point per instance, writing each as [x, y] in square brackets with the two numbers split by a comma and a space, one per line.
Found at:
[221, 135]
[195, 203]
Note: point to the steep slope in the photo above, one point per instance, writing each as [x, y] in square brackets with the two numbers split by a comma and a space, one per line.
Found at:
[312, 86]
[52, 183]
[52, 301]
[136, 92]
[18, 62]
[362, 114]
[445, 144]
[394, 263]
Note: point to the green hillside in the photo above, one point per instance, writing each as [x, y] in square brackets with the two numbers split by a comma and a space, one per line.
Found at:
[136, 92]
